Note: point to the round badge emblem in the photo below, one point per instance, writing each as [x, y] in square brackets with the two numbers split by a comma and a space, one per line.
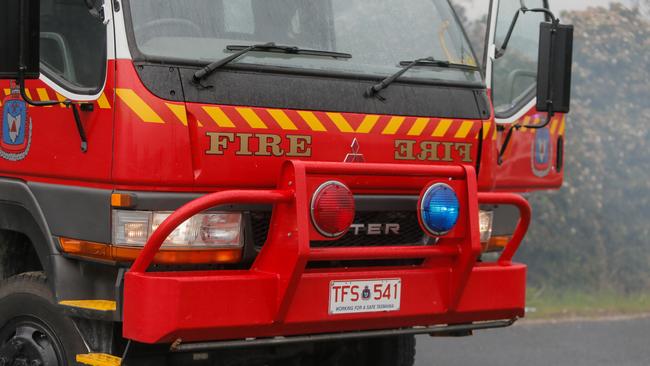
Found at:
[16, 132]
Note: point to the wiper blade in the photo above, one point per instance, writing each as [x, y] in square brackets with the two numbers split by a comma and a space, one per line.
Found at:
[266, 47]
[407, 65]
[272, 47]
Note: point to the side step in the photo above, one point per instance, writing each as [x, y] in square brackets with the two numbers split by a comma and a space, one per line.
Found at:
[90, 309]
[99, 359]
[95, 305]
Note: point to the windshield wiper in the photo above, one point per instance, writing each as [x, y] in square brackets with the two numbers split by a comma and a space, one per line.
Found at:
[374, 90]
[266, 47]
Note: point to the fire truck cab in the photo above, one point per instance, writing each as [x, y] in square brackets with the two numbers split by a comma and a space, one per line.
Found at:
[268, 181]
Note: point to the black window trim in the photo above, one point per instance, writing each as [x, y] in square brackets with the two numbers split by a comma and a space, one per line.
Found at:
[523, 99]
[69, 86]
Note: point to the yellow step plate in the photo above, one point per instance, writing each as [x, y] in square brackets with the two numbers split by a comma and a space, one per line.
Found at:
[97, 305]
[99, 359]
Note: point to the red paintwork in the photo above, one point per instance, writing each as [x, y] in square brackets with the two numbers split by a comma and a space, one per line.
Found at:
[516, 173]
[279, 296]
[55, 155]
[127, 153]
[183, 148]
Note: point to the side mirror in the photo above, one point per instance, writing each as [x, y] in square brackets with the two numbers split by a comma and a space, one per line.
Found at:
[554, 67]
[19, 39]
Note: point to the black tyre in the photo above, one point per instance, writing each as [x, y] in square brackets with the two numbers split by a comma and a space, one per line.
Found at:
[392, 351]
[33, 330]
[388, 351]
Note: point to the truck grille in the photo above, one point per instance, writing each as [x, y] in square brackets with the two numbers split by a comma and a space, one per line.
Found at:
[383, 229]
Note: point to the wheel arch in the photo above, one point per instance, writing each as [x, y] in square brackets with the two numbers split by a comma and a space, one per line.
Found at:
[20, 213]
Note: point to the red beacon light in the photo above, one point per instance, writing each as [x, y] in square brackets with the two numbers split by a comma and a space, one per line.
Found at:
[332, 209]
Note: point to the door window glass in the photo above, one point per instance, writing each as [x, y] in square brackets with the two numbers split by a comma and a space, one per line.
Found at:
[515, 73]
[73, 45]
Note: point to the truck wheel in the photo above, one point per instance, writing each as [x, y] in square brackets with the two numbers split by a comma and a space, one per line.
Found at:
[388, 351]
[393, 351]
[33, 330]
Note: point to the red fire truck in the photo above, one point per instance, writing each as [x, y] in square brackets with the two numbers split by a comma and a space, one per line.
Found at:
[220, 182]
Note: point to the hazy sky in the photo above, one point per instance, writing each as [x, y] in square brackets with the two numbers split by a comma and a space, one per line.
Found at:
[476, 8]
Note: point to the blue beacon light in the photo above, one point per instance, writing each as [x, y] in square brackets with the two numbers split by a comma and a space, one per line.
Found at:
[439, 209]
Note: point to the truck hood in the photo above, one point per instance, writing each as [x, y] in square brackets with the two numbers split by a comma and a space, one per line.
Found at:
[241, 146]
[238, 129]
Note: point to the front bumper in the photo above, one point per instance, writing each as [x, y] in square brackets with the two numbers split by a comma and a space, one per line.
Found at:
[279, 296]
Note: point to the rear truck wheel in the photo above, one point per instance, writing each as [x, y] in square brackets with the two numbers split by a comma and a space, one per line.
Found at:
[33, 329]
[387, 351]
[392, 351]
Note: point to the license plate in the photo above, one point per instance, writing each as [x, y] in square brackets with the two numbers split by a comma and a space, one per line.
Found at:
[348, 297]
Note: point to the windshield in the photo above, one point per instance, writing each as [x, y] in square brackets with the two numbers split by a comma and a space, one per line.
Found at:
[378, 33]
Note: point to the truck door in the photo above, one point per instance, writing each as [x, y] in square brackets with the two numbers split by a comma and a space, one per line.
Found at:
[533, 158]
[75, 46]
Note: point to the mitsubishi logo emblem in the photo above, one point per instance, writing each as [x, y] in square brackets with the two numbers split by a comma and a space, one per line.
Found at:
[355, 157]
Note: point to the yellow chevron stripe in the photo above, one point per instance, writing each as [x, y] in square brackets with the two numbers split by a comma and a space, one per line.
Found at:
[486, 130]
[442, 128]
[60, 98]
[7, 92]
[29, 94]
[312, 121]
[219, 117]
[253, 120]
[368, 124]
[554, 125]
[282, 119]
[418, 126]
[103, 102]
[464, 129]
[393, 125]
[138, 106]
[524, 123]
[494, 135]
[179, 111]
[536, 122]
[562, 126]
[340, 122]
[43, 96]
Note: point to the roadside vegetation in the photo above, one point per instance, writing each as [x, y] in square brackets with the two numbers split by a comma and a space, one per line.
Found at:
[574, 304]
[588, 249]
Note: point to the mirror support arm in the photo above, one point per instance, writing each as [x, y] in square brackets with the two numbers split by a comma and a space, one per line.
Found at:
[22, 67]
[523, 10]
[549, 99]
[514, 127]
[549, 117]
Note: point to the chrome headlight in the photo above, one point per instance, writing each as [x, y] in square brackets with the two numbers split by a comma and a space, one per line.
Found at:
[203, 231]
[485, 225]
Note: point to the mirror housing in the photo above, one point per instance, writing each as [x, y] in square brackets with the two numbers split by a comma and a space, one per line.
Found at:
[19, 39]
[554, 67]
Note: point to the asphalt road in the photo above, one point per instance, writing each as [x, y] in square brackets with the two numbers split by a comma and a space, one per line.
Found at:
[614, 342]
